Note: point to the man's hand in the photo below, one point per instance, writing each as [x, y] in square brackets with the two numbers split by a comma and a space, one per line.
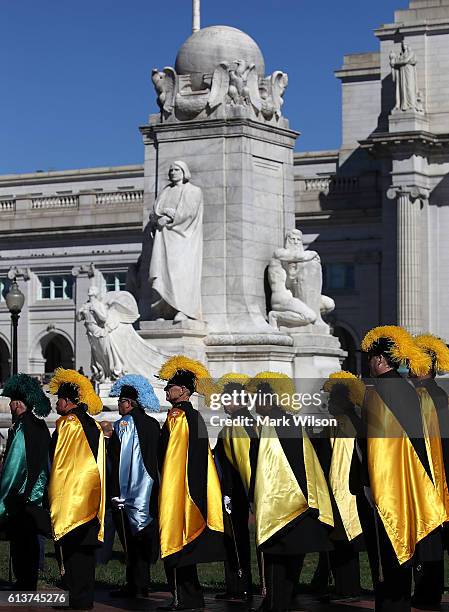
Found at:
[170, 212]
[163, 221]
[227, 504]
[118, 503]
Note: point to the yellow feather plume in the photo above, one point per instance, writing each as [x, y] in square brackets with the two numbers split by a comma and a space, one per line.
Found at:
[355, 386]
[86, 391]
[204, 384]
[437, 349]
[229, 378]
[404, 351]
[281, 384]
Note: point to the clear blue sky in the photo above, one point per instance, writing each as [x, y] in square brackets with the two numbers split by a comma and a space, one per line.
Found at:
[75, 73]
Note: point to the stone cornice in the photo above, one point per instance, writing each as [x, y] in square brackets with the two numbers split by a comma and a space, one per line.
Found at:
[62, 176]
[387, 144]
[390, 31]
[312, 157]
[371, 73]
[218, 128]
[86, 231]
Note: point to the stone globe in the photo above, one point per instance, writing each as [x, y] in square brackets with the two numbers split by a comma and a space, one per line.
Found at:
[205, 49]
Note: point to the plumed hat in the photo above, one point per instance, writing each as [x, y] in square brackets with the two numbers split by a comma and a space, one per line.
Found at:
[27, 389]
[274, 382]
[398, 346]
[75, 387]
[355, 387]
[436, 349]
[186, 372]
[138, 388]
[232, 379]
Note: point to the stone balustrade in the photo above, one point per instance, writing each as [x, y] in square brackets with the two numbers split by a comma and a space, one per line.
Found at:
[25, 203]
[333, 184]
[7, 205]
[317, 184]
[65, 201]
[119, 197]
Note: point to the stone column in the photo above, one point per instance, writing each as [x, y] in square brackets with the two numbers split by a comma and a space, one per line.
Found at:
[409, 306]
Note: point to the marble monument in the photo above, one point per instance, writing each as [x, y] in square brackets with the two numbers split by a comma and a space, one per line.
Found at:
[223, 116]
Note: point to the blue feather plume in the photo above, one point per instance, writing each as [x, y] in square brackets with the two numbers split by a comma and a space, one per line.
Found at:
[145, 392]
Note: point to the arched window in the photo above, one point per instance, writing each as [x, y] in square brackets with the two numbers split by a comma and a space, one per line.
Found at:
[57, 352]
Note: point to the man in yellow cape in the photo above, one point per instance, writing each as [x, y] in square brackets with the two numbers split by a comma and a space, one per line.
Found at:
[76, 488]
[335, 451]
[429, 574]
[233, 457]
[291, 497]
[190, 501]
[395, 474]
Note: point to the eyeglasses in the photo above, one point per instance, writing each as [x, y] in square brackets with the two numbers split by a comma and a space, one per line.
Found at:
[123, 399]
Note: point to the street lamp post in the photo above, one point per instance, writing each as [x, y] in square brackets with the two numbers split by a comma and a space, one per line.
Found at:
[14, 301]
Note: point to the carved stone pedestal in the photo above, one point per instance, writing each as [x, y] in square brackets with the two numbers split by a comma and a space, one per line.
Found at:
[185, 337]
[249, 359]
[316, 356]
[408, 121]
[309, 358]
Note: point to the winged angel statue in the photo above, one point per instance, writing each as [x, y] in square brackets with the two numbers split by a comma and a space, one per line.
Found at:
[116, 347]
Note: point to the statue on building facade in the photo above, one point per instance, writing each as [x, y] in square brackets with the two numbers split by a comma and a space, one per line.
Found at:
[177, 255]
[116, 347]
[403, 70]
[295, 277]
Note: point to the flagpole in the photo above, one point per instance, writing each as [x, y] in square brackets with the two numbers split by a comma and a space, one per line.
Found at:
[196, 16]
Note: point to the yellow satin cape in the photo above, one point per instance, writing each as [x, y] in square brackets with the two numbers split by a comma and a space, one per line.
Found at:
[342, 451]
[77, 485]
[236, 443]
[180, 520]
[278, 498]
[406, 500]
[432, 435]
